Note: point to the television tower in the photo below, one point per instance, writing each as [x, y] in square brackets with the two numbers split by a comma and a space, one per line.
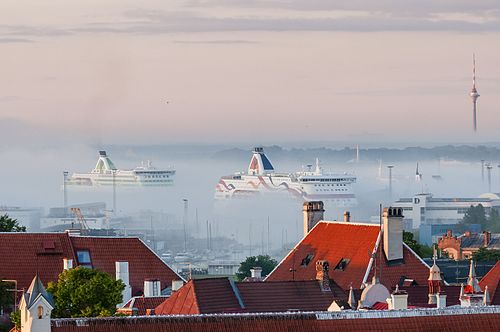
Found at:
[473, 93]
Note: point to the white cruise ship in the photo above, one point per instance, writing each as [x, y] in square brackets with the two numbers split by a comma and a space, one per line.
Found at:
[105, 173]
[306, 185]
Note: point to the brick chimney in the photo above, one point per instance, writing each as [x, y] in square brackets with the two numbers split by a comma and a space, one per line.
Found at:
[313, 213]
[393, 233]
[347, 216]
[322, 268]
[487, 238]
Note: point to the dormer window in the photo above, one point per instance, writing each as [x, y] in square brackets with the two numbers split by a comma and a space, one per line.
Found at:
[83, 257]
[306, 260]
[342, 264]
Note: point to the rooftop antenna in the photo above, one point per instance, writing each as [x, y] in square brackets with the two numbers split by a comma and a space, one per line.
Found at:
[473, 93]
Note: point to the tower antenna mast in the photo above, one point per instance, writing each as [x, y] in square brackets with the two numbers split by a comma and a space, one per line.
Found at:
[473, 93]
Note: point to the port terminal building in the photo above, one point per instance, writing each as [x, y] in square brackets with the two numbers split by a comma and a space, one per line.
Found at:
[434, 216]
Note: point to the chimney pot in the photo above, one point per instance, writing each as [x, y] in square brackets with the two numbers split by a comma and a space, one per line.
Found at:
[313, 212]
[67, 263]
[347, 216]
[322, 268]
[487, 238]
[393, 233]
[256, 272]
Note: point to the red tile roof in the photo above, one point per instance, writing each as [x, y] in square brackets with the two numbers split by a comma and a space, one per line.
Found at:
[143, 263]
[201, 296]
[23, 255]
[461, 319]
[219, 295]
[334, 241]
[492, 279]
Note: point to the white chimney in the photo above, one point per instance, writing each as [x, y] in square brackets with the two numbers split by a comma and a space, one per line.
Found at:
[441, 301]
[256, 272]
[393, 233]
[123, 275]
[152, 287]
[313, 213]
[176, 285]
[67, 263]
[398, 300]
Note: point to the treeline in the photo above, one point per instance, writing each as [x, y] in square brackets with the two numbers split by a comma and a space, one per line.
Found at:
[458, 152]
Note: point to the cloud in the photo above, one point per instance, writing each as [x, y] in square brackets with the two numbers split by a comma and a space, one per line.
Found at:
[282, 15]
[215, 42]
[15, 40]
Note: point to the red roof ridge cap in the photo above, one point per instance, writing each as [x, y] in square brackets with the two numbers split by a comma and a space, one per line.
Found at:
[359, 223]
[370, 262]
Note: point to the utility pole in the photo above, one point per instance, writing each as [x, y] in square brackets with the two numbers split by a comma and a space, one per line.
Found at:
[184, 222]
[390, 167]
[268, 235]
[488, 168]
[114, 191]
[482, 170]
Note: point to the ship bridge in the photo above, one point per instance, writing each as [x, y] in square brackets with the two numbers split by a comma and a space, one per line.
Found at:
[260, 164]
[104, 164]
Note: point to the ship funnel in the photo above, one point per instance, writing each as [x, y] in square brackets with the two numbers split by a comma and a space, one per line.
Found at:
[260, 164]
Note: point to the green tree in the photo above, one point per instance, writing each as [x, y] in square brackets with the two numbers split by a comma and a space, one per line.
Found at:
[264, 261]
[6, 296]
[477, 215]
[420, 249]
[84, 292]
[8, 224]
[15, 318]
[485, 255]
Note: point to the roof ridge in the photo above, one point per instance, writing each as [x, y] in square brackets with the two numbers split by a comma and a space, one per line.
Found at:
[348, 223]
[161, 260]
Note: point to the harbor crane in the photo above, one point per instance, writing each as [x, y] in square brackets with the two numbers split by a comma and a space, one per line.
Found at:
[79, 216]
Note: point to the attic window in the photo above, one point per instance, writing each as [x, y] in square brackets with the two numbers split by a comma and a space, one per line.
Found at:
[342, 264]
[83, 257]
[307, 260]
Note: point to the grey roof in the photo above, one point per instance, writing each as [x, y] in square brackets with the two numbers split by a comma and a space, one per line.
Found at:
[477, 241]
[36, 290]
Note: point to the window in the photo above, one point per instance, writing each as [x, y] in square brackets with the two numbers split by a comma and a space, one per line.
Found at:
[83, 257]
[40, 312]
[342, 264]
[306, 260]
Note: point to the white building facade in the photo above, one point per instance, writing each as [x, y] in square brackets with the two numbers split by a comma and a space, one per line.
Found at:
[424, 209]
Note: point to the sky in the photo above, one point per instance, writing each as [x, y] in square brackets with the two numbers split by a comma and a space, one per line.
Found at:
[212, 71]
